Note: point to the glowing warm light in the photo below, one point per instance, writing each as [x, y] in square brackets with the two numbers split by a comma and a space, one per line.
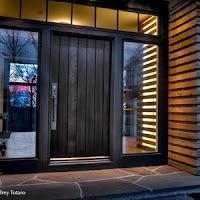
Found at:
[149, 55]
[148, 126]
[145, 45]
[148, 145]
[149, 139]
[148, 120]
[149, 107]
[151, 23]
[149, 74]
[62, 20]
[150, 61]
[151, 30]
[149, 68]
[149, 132]
[149, 49]
[149, 93]
[149, 80]
[148, 19]
[148, 87]
[148, 100]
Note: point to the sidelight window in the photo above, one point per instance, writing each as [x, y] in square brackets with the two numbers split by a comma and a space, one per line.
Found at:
[140, 76]
[18, 93]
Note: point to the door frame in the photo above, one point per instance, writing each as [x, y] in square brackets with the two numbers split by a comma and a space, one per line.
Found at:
[116, 157]
[41, 162]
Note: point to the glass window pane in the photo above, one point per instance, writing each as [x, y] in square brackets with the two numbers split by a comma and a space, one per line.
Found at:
[140, 98]
[10, 8]
[83, 15]
[128, 21]
[59, 12]
[106, 18]
[148, 24]
[18, 93]
[35, 10]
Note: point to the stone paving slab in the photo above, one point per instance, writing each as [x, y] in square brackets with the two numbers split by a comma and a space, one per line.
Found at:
[44, 192]
[98, 183]
[77, 176]
[109, 187]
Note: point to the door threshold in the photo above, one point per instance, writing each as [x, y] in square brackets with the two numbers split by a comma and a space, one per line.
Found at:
[79, 160]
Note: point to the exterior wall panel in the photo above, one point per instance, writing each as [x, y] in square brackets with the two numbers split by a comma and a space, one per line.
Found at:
[184, 82]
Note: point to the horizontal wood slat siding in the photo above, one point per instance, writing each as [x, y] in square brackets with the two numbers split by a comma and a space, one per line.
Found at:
[184, 85]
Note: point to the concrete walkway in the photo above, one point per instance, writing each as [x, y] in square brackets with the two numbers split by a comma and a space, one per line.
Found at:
[119, 183]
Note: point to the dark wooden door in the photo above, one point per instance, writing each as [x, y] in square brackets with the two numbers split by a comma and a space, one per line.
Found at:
[81, 69]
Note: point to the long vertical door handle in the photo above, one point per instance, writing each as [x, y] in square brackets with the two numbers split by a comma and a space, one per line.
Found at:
[54, 94]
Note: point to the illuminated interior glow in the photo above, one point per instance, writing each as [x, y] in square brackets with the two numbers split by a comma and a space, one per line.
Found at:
[148, 87]
[148, 132]
[149, 100]
[149, 49]
[148, 145]
[149, 68]
[149, 61]
[149, 74]
[149, 107]
[149, 55]
[149, 80]
[148, 120]
[149, 139]
[148, 19]
[151, 23]
[150, 30]
[148, 126]
[149, 113]
[148, 93]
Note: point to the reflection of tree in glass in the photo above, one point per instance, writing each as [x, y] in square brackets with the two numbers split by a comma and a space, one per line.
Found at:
[26, 73]
[26, 94]
[18, 55]
[17, 45]
[19, 96]
[133, 71]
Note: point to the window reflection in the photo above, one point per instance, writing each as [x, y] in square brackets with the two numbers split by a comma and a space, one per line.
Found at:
[139, 98]
[18, 93]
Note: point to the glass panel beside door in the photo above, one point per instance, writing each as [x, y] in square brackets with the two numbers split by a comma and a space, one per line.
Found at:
[139, 98]
[18, 93]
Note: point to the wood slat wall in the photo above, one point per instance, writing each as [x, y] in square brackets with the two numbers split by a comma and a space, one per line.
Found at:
[184, 85]
[147, 118]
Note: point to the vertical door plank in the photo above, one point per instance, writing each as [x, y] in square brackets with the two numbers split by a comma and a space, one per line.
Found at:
[63, 96]
[106, 96]
[99, 97]
[81, 104]
[72, 97]
[90, 97]
[55, 42]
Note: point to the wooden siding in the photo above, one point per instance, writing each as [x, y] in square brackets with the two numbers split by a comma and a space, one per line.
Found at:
[184, 85]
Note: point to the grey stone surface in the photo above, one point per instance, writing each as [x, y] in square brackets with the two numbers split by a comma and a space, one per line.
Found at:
[109, 187]
[106, 183]
[15, 179]
[170, 181]
[44, 191]
[77, 176]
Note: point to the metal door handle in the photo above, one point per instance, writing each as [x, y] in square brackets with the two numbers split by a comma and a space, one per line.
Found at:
[54, 94]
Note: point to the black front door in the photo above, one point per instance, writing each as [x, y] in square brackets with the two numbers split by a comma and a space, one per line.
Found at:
[80, 81]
